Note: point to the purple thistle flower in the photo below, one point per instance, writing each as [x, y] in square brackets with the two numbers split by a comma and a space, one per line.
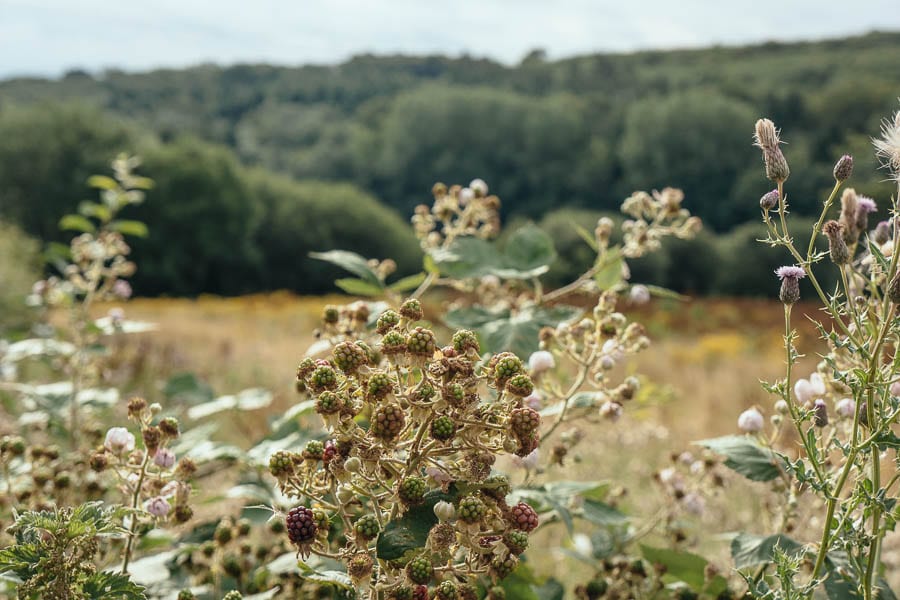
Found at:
[790, 277]
[867, 204]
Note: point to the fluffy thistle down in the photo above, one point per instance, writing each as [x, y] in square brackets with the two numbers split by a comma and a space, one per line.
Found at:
[887, 147]
[766, 138]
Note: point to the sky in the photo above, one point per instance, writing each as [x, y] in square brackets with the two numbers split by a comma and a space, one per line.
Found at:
[50, 37]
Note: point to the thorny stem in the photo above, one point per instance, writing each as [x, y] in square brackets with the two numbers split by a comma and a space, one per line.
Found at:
[135, 498]
[576, 385]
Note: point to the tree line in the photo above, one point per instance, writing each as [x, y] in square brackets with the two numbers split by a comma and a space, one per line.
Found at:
[257, 164]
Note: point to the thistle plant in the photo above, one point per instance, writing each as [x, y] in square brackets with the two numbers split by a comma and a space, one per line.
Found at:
[831, 432]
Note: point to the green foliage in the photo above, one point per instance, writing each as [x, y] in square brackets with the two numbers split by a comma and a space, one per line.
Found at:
[746, 456]
[19, 268]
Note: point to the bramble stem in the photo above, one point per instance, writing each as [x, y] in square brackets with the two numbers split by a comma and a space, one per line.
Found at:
[135, 498]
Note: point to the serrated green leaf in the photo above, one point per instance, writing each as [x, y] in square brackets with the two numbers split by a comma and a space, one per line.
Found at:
[135, 228]
[76, 223]
[680, 565]
[466, 257]
[349, 261]
[749, 550]
[411, 531]
[746, 456]
[529, 250]
[600, 513]
[408, 283]
[112, 586]
[358, 287]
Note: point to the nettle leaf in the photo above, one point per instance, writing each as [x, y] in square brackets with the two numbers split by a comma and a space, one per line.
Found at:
[746, 456]
[411, 531]
[112, 586]
[748, 550]
[349, 261]
[466, 257]
[680, 565]
[611, 274]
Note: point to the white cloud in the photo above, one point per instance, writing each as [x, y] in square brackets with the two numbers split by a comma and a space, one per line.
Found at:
[47, 37]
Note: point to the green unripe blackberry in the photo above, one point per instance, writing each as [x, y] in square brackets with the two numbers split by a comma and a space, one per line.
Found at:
[412, 491]
[387, 321]
[208, 549]
[231, 564]
[393, 343]
[516, 541]
[520, 385]
[496, 593]
[421, 342]
[379, 386]
[13, 445]
[323, 378]
[331, 315]
[349, 357]
[447, 590]
[424, 392]
[465, 341]
[467, 592]
[186, 595]
[359, 568]
[243, 527]
[503, 567]
[305, 368]
[387, 421]
[276, 525]
[232, 595]
[412, 310]
[314, 450]
[404, 592]
[366, 528]
[320, 517]
[637, 567]
[420, 570]
[328, 403]
[224, 533]
[471, 509]
[524, 421]
[596, 588]
[454, 394]
[443, 428]
[496, 487]
[505, 365]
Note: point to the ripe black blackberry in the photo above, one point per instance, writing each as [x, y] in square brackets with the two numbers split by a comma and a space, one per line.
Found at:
[301, 526]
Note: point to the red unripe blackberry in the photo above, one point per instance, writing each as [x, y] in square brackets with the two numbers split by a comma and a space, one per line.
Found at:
[412, 310]
[420, 592]
[471, 509]
[393, 343]
[328, 403]
[379, 386]
[447, 590]
[523, 517]
[329, 452]
[349, 357]
[443, 428]
[387, 321]
[520, 385]
[465, 341]
[387, 421]
[412, 490]
[421, 342]
[301, 525]
[366, 528]
[524, 421]
[420, 570]
[527, 444]
[516, 541]
[323, 378]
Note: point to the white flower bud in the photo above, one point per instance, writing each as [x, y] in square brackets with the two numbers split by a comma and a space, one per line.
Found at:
[751, 421]
[155, 408]
[845, 408]
[541, 361]
[639, 294]
[119, 440]
[158, 507]
[479, 187]
[444, 511]
[782, 408]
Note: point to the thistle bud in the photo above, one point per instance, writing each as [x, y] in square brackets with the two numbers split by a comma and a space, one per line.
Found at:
[768, 141]
[820, 413]
[848, 215]
[790, 283]
[864, 206]
[843, 168]
[837, 247]
[882, 232]
[751, 421]
[769, 200]
[893, 289]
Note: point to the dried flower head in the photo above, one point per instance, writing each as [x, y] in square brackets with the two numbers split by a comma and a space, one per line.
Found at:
[767, 139]
[887, 147]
